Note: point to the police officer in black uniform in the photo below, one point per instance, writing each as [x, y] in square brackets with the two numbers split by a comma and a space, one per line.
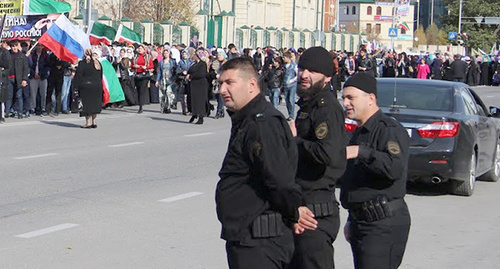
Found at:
[321, 139]
[374, 184]
[257, 197]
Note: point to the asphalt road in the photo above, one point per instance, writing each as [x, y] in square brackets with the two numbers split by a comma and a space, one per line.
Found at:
[138, 192]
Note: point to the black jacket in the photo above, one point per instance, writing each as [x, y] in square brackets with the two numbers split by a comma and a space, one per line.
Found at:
[458, 69]
[436, 69]
[21, 68]
[321, 140]
[258, 171]
[5, 64]
[43, 68]
[382, 163]
[274, 77]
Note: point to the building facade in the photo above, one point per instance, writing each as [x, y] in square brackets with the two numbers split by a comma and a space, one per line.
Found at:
[375, 19]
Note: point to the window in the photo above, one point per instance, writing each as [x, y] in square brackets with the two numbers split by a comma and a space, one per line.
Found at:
[346, 10]
[379, 11]
[469, 103]
[368, 28]
[415, 96]
[353, 10]
[369, 10]
[377, 28]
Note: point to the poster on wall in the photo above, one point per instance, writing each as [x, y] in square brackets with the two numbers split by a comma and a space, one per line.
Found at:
[26, 27]
[11, 7]
[403, 7]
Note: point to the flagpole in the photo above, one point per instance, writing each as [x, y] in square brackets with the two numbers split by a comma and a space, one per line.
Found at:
[89, 13]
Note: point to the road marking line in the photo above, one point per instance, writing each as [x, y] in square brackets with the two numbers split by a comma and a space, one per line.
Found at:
[180, 197]
[36, 156]
[48, 230]
[490, 96]
[125, 145]
[200, 134]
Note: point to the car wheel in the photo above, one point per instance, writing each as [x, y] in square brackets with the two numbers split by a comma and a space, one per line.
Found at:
[466, 187]
[494, 173]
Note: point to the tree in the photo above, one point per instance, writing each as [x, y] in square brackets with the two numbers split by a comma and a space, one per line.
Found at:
[420, 38]
[435, 36]
[479, 35]
[174, 11]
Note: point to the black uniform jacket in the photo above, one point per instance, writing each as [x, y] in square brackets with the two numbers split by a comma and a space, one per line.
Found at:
[321, 140]
[382, 163]
[258, 171]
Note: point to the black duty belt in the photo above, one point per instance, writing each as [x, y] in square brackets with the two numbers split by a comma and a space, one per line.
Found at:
[376, 209]
[323, 209]
[268, 225]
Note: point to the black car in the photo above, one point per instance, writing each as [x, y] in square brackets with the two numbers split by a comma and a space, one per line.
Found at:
[454, 137]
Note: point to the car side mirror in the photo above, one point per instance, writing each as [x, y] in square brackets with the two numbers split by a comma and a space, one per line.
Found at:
[495, 111]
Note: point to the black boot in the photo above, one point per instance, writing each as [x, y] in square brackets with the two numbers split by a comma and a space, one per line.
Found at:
[140, 110]
[192, 119]
[200, 120]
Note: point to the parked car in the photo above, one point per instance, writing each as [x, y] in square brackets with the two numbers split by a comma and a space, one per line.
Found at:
[453, 136]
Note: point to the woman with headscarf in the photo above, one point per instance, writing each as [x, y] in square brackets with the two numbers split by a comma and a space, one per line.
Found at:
[88, 85]
[123, 74]
[143, 66]
[197, 76]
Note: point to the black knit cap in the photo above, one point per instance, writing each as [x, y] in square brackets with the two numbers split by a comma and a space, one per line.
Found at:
[317, 59]
[363, 81]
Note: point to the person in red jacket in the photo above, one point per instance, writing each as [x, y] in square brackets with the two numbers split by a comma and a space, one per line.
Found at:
[143, 66]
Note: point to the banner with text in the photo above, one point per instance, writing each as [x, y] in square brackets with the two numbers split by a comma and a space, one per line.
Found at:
[11, 7]
[25, 27]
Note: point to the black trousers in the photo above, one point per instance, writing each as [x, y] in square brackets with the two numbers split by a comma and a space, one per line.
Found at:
[265, 253]
[142, 90]
[314, 249]
[380, 244]
[54, 84]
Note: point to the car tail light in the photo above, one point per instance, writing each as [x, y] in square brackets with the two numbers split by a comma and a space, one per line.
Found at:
[350, 125]
[439, 129]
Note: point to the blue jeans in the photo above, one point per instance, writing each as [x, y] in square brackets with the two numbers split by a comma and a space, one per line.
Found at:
[10, 96]
[290, 92]
[65, 92]
[275, 96]
[220, 102]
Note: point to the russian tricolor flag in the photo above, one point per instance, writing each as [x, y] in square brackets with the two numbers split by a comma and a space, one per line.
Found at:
[66, 40]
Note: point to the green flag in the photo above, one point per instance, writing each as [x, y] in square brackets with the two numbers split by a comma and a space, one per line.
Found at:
[112, 89]
[101, 33]
[45, 7]
[125, 34]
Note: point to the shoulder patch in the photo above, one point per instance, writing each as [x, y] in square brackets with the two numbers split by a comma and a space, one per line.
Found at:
[321, 130]
[393, 148]
[257, 149]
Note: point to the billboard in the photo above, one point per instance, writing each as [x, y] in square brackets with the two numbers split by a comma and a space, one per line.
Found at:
[25, 27]
[11, 7]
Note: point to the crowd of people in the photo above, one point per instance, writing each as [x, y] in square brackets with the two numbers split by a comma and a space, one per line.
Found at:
[36, 82]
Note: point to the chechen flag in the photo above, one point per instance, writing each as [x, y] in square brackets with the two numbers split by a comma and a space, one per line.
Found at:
[66, 40]
[101, 33]
[125, 34]
[112, 90]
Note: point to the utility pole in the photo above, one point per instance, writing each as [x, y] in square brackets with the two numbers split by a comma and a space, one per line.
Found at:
[460, 25]
[394, 12]
[432, 12]
[89, 15]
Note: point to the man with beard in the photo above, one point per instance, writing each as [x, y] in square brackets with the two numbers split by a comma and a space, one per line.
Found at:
[321, 138]
[257, 194]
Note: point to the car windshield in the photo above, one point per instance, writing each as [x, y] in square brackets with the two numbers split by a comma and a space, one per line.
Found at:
[415, 96]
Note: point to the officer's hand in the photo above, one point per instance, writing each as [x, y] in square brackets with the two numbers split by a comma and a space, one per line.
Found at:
[306, 219]
[352, 152]
[293, 128]
[24, 83]
[347, 232]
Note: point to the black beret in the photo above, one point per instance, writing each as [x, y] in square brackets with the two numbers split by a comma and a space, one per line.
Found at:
[317, 59]
[363, 81]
